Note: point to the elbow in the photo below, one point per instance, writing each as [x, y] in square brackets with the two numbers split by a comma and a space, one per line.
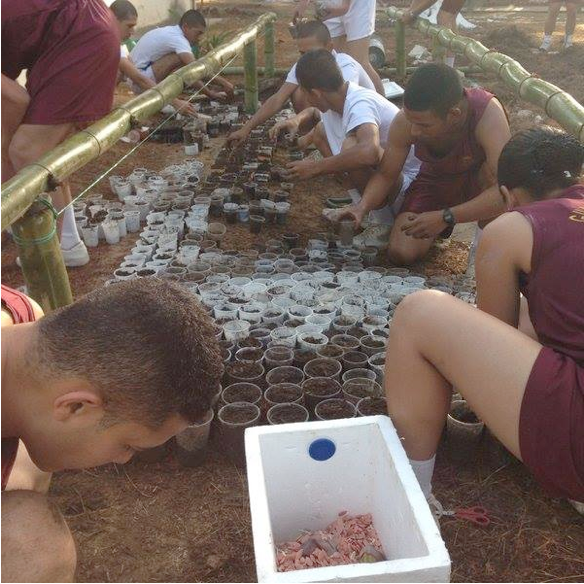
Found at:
[371, 155]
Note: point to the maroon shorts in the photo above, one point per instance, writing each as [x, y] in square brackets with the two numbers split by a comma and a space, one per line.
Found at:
[71, 49]
[452, 6]
[551, 424]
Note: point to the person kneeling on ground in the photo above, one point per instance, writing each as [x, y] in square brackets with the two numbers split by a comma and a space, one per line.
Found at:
[127, 18]
[121, 370]
[353, 130]
[163, 50]
[310, 35]
[458, 135]
[527, 388]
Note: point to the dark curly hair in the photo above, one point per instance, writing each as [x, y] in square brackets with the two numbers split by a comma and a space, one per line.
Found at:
[147, 346]
[540, 160]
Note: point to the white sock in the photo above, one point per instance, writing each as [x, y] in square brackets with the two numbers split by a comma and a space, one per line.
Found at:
[69, 235]
[424, 469]
[355, 195]
[449, 61]
[568, 39]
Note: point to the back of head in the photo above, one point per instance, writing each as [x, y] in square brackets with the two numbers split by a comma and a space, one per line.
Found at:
[192, 18]
[313, 29]
[124, 10]
[146, 346]
[540, 160]
[433, 87]
[319, 70]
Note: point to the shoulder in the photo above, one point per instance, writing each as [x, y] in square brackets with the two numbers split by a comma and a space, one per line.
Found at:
[400, 131]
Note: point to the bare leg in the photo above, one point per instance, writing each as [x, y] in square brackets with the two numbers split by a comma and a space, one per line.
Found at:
[360, 177]
[359, 50]
[448, 20]
[438, 342]
[15, 101]
[552, 17]
[571, 11]
[165, 66]
[340, 43]
[320, 140]
[37, 545]
[403, 249]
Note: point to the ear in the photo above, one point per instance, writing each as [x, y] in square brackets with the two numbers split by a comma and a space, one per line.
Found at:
[455, 113]
[76, 403]
[508, 197]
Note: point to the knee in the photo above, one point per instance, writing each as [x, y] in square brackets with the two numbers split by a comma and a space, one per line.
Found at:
[37, 545]
[400, 255]
[299, 102]
[419, 308]
[22, 152]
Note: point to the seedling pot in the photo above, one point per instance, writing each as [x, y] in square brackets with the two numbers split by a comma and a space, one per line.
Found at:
[191, 443]
[287, 413]
[334, 409]
[233, 419]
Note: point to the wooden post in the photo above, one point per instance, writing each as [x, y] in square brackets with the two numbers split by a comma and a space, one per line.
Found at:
[45, 275]
[400, 48]
[250, 57]
[269, 50]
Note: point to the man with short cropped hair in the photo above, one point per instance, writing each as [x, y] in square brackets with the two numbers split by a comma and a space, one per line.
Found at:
[352, 134]
[458, 135]
[163, 50]
[121, 370]
[309, 36]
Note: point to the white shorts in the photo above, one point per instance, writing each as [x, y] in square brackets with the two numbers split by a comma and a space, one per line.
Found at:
[357, 23]
[148, 73]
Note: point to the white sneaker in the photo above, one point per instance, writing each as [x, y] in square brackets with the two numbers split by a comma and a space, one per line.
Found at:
[546, 45]
[76, 256]
[376, 235]
[568, 44]
[436, 508]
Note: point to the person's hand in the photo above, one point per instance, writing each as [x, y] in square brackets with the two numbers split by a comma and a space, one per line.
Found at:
[425, 225]
[218, 95]
[408, 17]
[238, 137]
[288, 126]
[184, 107]
[301, 170]
[354, 212]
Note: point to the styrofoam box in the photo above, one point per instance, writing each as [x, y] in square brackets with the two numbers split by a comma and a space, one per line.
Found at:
[368, 473]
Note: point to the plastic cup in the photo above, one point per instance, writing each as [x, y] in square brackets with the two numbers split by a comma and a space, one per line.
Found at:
[191, 443]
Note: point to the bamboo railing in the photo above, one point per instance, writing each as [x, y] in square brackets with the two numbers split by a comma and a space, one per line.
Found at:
[42, 263]
[554, 101]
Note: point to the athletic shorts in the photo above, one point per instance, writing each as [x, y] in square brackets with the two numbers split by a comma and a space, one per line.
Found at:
[148, 72]
[551, 424]
[452, 6]
[71, 49]
[357, 23]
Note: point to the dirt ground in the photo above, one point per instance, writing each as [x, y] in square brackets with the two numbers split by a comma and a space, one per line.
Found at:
[161, 522]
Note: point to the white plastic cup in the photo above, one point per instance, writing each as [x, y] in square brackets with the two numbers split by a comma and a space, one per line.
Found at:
[111, 232]
[132, 221]
[90, 234]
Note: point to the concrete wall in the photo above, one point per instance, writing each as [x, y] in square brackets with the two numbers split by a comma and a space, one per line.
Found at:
[155, 12]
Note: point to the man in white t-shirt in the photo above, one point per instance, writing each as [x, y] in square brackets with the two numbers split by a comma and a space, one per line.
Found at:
[310, 35]
[353, 133]
[126, 19]
[165, 49]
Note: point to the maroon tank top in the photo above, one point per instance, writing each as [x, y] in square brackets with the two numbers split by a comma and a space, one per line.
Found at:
[555, 286]
[467, 155]
[21, 311]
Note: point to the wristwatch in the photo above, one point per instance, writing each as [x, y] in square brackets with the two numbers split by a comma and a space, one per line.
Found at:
[448, 217]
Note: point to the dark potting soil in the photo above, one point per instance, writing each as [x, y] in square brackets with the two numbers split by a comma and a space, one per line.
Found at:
[272, 314]
[239, 415]
[283, 377]
[301, 358]
[373, 344]
[357, 332]
[344, 321]
[346, 343]
[331, 351]
[254, 355]
[284, 394]
[287, 415]
[242, 394]
[250, 342]
[277, 291]
[320, 387]
[360, 390]
[355, 357]
[370, 320]
[315, 340]
[243, 370]
[463, 414]
[124, 273]
[323, 369]
[375, 406]
[335, 410]
[293, 323]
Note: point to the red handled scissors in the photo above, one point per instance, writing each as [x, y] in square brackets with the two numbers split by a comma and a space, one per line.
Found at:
[476, 515]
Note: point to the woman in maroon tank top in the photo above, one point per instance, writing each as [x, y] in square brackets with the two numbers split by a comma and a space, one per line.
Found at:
[525, 382]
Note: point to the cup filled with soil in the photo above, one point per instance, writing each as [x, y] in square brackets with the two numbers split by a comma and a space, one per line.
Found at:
[330, 351]
[334, 409]
[317, 389]
[312, 341]
[191, 444]
[372, 406]
[241, 392]
[288, 413]
[462, 423]
[239, 371]
[256, 223]
[278, 357]
[359, 372]
[250, 355]
[285, 374]
[356, 389]
[323, 367]
[233, 419]
[346, 342]
[284, 393]
[302, 357]
[372, 344]
[354, 359]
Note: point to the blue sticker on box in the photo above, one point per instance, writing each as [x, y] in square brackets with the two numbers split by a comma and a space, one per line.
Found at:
[322, 449]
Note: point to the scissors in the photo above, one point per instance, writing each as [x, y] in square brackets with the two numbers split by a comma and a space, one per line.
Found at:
[476, 515]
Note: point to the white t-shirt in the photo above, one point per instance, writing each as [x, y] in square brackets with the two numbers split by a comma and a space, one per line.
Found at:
[364, 106]
[124, 53]
[352, 71]
[159, 42]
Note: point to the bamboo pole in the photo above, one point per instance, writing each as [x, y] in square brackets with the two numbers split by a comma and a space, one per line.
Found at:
[400, 48]
[557, 104]
[269, 49]
[250, 56]
[44, 271]
[21, 190]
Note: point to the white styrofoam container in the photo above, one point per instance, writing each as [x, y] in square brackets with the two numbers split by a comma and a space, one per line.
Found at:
[368, 473]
